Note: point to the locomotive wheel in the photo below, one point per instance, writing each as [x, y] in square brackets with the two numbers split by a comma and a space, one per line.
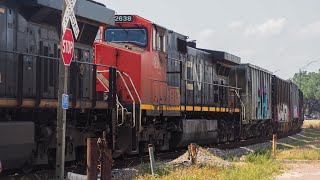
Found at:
[222, 133]
[230, 136]
[231, 132]
[270, 131]
[27, 167]
[141, 148]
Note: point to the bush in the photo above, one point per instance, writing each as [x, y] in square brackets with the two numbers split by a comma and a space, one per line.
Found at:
[260, 156]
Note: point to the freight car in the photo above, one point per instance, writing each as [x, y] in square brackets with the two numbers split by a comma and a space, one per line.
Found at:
[287, 107]
[255, 95]
[270, 104]
[171, 93]
[29, 54]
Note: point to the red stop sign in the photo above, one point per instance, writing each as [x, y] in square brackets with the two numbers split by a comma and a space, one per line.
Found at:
[67, 47]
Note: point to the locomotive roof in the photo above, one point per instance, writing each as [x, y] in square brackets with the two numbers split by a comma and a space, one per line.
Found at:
[151, 22]
[223, 56]
[90, 15]
[93, 12]
[256, 67]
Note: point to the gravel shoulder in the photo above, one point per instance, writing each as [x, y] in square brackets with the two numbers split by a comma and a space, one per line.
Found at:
[227, 158]
[304, 170]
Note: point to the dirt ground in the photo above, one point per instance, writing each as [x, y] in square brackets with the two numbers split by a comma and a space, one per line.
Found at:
[307, 170]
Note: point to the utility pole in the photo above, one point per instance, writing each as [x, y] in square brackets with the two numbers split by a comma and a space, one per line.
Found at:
[61, 113]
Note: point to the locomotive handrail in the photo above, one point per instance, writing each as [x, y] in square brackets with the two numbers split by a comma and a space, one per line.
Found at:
[133, 103]
[122, 122]
[122, 112]
[53, 58]
[135, 90]
[178, 60]
[27, 54]
[118, 102]
[93, 64]
[242, 105]
[220, 85]
[102, 71]
[175, 59]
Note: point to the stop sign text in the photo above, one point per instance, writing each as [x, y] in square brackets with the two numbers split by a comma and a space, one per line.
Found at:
[67, 47]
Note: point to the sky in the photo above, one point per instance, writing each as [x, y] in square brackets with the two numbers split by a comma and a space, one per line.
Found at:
[279, 35]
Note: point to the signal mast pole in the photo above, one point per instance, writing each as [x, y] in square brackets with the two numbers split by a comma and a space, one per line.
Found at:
[61, 113]
[67, 50]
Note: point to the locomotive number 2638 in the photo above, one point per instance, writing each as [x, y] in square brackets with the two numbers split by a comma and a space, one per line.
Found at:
[123, 18]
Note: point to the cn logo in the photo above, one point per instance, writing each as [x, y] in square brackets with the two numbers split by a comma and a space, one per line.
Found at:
[194, 73]
[67, 47]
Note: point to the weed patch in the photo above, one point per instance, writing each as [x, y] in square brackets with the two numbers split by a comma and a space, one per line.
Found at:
[299, 154]
[258, 165]
[311, 124]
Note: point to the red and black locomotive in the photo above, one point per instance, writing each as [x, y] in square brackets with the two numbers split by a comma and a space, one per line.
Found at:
[171, 93]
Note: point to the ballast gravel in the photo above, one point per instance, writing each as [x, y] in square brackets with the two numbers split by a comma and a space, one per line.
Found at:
[206, 156]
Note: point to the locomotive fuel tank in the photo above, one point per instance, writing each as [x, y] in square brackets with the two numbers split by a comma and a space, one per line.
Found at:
[16, 143]
[201, 131]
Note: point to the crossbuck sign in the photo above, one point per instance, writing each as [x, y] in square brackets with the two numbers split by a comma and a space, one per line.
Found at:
[70, 16]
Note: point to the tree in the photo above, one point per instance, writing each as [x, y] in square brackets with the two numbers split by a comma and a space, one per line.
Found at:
[309, 83]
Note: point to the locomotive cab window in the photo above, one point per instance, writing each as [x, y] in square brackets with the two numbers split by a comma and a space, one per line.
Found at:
[159, 39]
[136, 36]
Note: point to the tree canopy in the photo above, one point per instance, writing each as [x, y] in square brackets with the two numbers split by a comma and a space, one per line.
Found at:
[309, 83]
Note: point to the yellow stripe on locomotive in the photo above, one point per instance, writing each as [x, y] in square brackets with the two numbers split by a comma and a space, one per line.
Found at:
[188, 108]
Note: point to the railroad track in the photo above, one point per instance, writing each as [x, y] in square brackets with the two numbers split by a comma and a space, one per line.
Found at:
[159, 156]
[127, 162]
[249, 142]
[40, 173]
[170, 155]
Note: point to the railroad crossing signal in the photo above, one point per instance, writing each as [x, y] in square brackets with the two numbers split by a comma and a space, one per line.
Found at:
[70, 16]
[67, 47]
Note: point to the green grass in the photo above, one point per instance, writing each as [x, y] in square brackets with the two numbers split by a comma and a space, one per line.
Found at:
[186, 173]
[259, 165]
[311, 124]
[305, 146]
[299, 154]
[161, 169]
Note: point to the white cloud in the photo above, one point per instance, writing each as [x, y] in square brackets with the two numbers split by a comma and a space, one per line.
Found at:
[235, 24]
[268, 28]
[204, 38]
[246, 53]
[310, 30]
